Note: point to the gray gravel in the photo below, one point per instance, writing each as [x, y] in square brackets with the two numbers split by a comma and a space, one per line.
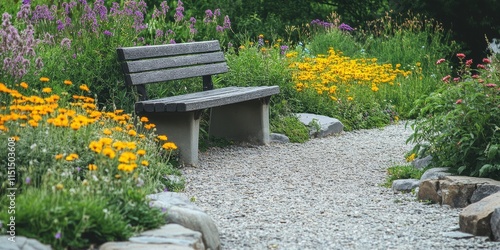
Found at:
[322, 194]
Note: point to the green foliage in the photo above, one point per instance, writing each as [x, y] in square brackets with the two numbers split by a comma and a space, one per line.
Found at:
[458, 123]
[401, 172]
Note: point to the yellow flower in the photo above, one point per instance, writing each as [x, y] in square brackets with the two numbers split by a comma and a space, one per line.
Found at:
[75, 125]
[127, 157]
[68, 82]
[149, 126]
[132, 133]
[59, 186]
[95, 146]
[92, 167]
[85, 182]
[109, 152]
[141, 152]
[117, 176]
[107, 131]
[145, 163]
[24, 85]
[71, 157]
[59, 156]
[411, 157]
[350, 98]
[144, 119]
[169, 146]
[46, 90]
[44, 79]
[162, 137]
[84, 87]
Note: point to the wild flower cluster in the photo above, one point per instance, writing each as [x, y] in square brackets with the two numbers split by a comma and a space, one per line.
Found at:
[71, 148]
[458, 123]
[336, 74]
[44, 40]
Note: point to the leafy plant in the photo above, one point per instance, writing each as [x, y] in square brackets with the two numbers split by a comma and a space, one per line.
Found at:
[458, 124]
[401, 172]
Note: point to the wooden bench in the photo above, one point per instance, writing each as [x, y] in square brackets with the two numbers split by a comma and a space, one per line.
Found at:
[236, 113]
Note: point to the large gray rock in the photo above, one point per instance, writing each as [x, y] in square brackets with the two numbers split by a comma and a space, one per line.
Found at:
[321, 125]
[21, 243]
[476, 217]
[456, 191]
[429, 191]
[434, 174]
[495, 224]
[279, 138]
[484, 190]
[421, 163]
[405, 185]
[180, 210]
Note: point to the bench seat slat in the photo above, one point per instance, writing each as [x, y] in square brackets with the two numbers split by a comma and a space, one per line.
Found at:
[203, 100]
[175, 73]
[172, 62]
[152, 51]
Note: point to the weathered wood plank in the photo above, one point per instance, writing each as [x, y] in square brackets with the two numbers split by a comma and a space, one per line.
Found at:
[152, 51]
[208, 99]
[175, 73]
[172, 62]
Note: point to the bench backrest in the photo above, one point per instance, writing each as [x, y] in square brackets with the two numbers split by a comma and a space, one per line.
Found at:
[159, 63]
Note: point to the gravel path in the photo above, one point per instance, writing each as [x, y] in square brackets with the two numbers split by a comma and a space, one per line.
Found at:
[322, 194]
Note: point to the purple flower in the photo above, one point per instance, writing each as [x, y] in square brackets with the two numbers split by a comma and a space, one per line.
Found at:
[77, 168]
[178, 16]
[107, 33]
[283, 49]
[345, 27]
[58, 235]
[28, 180]
[42, 12]
[217, 12]
[25, 12]
[66, 43]
[60, 25]
[320, 23]
[219, 28]
[172, 41]
[164, 7]
[227, 22]
[165, 190]
[209, 13]
[159, 33]
[26, 2]
[100, 9]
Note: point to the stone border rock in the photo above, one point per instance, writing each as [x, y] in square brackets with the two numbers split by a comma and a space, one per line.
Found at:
[480, 198]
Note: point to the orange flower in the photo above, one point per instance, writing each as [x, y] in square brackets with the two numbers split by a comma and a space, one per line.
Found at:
[59, 156]
[24, 85]
[169, 146]
[84, 87]
[162, 137]
[44, 79]
[46, 90]
[68, 82]
[92, 167]
[144, 119]
[71, 157]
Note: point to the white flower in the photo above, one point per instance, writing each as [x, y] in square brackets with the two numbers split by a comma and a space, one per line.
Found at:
[33, 146]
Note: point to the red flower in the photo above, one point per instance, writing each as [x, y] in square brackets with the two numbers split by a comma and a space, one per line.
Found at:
[481, 66]
[491, 85]
[468, 62]
[459, 101]
[456, 79]
[461, 55]
[446, 78]
[486, 60]
[476, 76]
[442, 60]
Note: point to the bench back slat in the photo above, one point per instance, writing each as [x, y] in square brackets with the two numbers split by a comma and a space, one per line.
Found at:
[159, 63]
[175, 73]
[152, 51]
[172, 62]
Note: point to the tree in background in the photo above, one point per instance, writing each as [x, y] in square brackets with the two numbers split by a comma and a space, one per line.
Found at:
[469, 21]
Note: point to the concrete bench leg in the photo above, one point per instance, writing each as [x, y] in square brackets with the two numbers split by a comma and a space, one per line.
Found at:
[181, 128]
[246, 121]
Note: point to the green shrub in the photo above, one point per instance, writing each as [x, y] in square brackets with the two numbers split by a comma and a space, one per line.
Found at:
[458, 123]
